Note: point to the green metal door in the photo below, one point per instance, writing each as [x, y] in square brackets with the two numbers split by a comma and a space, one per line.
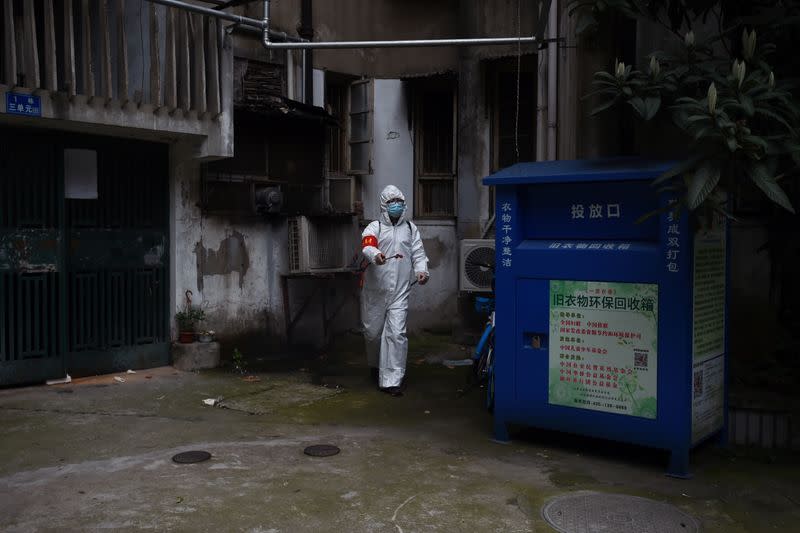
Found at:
[83, 283]
[117, 274]
[31, 238]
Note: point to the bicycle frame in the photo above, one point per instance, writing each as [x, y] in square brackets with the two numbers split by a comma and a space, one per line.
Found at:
[487, 332]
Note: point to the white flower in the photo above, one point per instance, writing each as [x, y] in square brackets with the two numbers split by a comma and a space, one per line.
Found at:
[655, 68]
[712, 98]
[620, 69]
[689, 39]
[748, 43]
[738, 71]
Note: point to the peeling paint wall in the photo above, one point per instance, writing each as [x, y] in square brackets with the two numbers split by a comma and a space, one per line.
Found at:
[230, 256]
[433, 306]
[346, 20]
[233, 267]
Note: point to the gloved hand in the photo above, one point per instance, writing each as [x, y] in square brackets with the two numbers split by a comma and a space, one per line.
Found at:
[380, 259]
[422, 278]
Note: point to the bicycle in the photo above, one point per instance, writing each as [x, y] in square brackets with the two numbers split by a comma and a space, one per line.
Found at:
[483, 357]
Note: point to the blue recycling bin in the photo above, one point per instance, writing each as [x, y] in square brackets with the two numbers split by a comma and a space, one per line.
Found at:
[606, 325]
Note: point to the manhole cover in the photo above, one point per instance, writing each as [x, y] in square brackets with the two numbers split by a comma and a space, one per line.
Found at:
[591, 512]
[321, 450]
[195, 456]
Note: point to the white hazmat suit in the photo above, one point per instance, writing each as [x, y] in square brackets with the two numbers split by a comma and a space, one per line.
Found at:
[384, 298]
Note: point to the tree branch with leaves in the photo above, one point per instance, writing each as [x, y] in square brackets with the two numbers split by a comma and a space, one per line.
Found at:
[739, 123]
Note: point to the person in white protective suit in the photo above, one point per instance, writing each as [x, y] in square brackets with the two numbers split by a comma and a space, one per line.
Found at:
[394, 248]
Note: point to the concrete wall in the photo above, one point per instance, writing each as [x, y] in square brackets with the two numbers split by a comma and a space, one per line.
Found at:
[433, 306]
[474, 149]
[346, 20]
[392, 147]
[231, 266]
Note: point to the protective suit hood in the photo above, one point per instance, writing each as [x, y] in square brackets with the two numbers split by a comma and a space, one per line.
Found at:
[390, 192]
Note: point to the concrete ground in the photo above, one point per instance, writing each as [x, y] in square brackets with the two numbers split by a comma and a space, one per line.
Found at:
[96, 454]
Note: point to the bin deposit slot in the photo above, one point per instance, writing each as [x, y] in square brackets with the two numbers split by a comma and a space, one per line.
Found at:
[535, 341]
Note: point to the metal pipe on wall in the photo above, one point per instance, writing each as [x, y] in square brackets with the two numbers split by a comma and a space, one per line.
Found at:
[306, 31]
[552, 82]
[302, 44]
[541, 97]
[322, 45]
[338, 45]
[303, 80]
[246, 23]
[238, 19]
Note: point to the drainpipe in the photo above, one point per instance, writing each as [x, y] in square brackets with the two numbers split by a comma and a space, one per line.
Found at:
[552, 81]
[306, 31]
[541, 103]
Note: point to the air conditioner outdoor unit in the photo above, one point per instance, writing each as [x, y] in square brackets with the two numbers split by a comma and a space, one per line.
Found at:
[342, 194]
[268, 200]
[475, 276]
[322, 244]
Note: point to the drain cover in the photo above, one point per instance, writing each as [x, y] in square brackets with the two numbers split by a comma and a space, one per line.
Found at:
[195, 456]
[321, 450]
[590, 512]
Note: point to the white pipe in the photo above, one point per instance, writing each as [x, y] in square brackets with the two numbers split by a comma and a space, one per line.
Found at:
[552, 82]
[210, 12]
[302, 44]
[268, 44]
[291, 83]
[303, 77]
[327, 45]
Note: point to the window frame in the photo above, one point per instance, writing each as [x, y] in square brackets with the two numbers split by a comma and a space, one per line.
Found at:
[342, 145]
[369, 112]
[423, 88]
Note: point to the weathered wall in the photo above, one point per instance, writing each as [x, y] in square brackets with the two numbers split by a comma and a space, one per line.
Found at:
[580, 135]
[232, 267]
[432, 306]
[496, 18]
[403, 19]
[481, 18]
[346, 20]
[392, 147]
[474, 149]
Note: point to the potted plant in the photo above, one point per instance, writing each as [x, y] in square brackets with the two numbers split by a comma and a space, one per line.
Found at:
[187, 320]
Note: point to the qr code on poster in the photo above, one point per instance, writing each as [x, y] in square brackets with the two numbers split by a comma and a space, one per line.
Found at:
[640, 359]
[697, 388]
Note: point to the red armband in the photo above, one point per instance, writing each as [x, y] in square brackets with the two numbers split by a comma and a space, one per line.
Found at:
[369, 240]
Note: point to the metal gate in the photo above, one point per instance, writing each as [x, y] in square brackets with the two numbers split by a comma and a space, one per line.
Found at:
[83, 283]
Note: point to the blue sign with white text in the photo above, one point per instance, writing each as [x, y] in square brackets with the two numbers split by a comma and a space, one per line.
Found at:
[23, 104]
